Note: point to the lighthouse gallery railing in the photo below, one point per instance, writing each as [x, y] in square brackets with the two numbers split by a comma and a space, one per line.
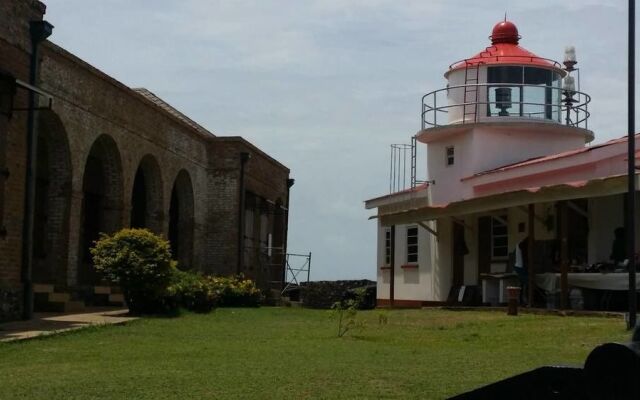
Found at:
[570, 108]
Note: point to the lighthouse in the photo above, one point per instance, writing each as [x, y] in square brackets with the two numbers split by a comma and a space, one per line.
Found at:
[503, 105]
[507, 163]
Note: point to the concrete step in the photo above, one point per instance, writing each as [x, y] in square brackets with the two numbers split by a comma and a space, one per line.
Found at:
[43, 288]
[59, 297]
[116, 298]
[102, 289]
[41, 303]
[74, 306]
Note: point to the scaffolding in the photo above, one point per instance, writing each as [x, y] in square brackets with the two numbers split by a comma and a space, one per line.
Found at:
[403, 166]
[297, 269]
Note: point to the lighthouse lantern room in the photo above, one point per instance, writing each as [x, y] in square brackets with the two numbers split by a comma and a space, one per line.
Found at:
[506, 80]
[503, 105]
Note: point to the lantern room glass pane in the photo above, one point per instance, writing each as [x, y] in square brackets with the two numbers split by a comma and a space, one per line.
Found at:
[504, 75]
[504, 100]
[537, 95]
[535, 92]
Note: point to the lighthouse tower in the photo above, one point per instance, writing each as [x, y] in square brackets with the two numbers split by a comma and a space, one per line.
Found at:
[501, 106]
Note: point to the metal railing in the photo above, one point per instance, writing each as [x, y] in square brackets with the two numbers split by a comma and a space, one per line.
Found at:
[486, 57]
[571, 108]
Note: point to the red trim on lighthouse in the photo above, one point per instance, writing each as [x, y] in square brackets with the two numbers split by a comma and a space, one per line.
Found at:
[504, 49]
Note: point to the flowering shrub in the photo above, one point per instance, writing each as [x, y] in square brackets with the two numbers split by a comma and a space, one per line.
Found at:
[193, 292]
[235, 291]
[140, 263]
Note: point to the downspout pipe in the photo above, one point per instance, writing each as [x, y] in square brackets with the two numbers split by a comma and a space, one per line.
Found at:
[7, 93]
[285, 236]
[392, 267]
[244, 158]
[40, 31]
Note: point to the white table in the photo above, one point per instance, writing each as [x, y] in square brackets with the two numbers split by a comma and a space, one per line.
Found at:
[616, 281]
[494, 287]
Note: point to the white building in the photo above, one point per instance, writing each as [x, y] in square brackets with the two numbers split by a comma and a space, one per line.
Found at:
[507, 159]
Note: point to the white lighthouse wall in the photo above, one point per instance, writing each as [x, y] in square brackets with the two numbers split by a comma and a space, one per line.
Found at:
[485, 147]
[498, 146]
[410, 284]
[446, 185]
[456, 96]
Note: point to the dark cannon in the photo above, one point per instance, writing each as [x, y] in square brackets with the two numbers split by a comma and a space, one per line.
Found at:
[611, 371]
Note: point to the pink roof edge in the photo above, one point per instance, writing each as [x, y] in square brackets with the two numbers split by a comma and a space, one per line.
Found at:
[551, 157]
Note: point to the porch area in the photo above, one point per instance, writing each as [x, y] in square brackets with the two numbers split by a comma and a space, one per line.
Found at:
[563, 244]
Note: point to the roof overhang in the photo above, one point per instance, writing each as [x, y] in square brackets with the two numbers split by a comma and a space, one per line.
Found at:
[566, 191]
[419, 193]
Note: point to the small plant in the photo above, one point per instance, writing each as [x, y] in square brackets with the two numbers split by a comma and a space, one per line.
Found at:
[140, 263]
[346, 312]
[383, 317]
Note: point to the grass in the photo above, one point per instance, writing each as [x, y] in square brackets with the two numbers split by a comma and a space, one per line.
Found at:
[283, 353]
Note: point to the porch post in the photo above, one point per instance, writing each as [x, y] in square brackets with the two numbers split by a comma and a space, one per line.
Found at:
[392, 265]
[564, 255]
[531, 271]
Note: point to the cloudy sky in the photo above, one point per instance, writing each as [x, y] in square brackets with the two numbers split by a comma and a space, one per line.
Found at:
[326, 85]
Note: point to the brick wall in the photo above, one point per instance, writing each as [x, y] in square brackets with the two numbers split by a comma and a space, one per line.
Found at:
[14, 58]
[94, 115]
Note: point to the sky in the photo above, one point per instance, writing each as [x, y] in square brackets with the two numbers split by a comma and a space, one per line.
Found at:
[325, 86]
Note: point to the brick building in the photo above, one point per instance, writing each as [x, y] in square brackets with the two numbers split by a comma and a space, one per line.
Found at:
[107, 156]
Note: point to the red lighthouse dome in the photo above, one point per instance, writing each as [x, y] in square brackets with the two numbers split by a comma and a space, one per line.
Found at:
[505, 50]
[504, 32]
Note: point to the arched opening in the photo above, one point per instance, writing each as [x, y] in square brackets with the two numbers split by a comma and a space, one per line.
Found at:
[181, 211]
[52, 201]
[102, 200]
[146, 196]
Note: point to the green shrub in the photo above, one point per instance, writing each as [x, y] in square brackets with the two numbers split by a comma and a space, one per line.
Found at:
[193, 292]
[236, 291]
[140, 263]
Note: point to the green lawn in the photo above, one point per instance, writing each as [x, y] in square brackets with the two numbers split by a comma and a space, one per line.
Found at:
[284, 353]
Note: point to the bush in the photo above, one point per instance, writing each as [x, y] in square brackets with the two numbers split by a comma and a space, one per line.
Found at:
[193, 292]
[140, 263]
[236, 291]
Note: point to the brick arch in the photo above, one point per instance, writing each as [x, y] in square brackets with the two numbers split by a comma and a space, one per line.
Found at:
[181, 220]
[102, 204]
[52, 201]
[146, 195]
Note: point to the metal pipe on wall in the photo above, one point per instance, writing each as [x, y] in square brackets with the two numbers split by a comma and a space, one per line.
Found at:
[244, 158]
[290, 183]
[7, 92]
[40, 31]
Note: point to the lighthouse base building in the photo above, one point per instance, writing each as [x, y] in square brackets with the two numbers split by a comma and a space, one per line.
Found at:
[514, 196]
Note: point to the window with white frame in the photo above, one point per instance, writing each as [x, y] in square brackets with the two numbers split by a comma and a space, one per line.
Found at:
[499, 237]
[450, 155]
[387, 246]
[412, 244]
